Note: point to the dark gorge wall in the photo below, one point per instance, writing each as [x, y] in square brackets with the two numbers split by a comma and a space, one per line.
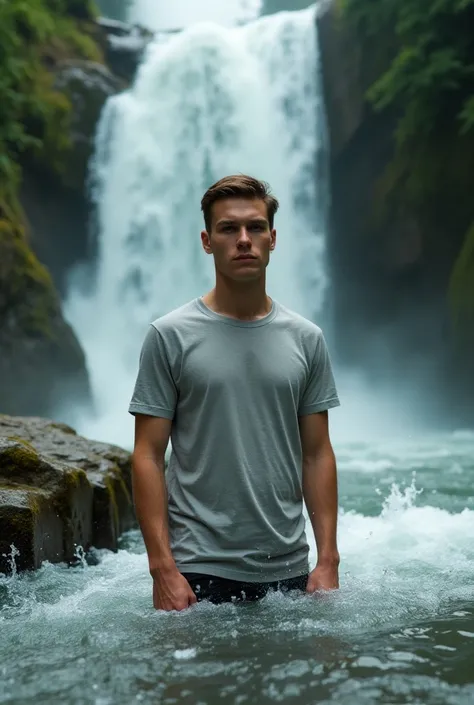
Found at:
[53, 84]
[391, 263]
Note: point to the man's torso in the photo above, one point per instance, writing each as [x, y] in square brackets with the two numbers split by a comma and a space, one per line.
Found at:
[235, 473]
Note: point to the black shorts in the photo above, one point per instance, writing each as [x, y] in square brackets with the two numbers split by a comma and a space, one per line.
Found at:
[218, 590]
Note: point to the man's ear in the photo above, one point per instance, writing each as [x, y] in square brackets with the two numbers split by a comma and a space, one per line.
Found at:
[206, 242]
[273, 240]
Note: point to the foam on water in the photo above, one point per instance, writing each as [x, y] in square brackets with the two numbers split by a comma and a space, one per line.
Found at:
[407, 562]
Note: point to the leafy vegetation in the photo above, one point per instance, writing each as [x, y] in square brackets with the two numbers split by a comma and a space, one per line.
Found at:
[429, 83]
[34, 35]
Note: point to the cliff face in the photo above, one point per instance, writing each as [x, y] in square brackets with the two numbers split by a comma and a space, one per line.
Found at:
[391, 262]
[56, 204]
[53, 84]
[41, 360]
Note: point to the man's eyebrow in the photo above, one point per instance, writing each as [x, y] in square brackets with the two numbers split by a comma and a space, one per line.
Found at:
[228, 221]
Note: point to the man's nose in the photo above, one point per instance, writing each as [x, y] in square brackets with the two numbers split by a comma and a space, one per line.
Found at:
[244, 238]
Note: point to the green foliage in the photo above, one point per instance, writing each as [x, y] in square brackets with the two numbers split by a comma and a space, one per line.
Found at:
[429, 85]
[34, 118]
[26, 285]
[431, 78]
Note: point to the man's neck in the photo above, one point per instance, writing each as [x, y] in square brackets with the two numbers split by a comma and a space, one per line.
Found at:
[246, 302]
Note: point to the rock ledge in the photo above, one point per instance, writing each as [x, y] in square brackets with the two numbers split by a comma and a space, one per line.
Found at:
[58, 492]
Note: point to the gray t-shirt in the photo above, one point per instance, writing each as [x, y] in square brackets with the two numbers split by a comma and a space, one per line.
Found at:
[234, 390]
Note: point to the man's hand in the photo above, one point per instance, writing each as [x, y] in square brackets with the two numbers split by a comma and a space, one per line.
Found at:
[324, 577]
[171, 591]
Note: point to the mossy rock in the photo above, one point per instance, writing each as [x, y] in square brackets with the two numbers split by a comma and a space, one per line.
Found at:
[30, 529]
[26, 287]
[59, 491]
[38, 346]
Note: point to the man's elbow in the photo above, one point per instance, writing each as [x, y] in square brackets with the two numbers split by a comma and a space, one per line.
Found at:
[317, 453]
[143, 461]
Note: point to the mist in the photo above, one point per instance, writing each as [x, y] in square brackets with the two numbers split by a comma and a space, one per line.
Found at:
[182, 13]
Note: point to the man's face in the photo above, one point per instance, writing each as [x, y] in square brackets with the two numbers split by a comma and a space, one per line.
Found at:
[240, 239]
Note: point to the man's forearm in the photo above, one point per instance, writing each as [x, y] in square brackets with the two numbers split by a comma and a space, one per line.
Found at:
[151, 506]
[321, 498]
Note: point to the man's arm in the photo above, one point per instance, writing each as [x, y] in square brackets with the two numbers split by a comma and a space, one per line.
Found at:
[321, 498]
[171, 591]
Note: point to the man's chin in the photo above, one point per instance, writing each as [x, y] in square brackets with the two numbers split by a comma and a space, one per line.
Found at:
[246, 276]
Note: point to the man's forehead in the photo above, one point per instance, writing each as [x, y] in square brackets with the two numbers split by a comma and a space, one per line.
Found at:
[239, 209]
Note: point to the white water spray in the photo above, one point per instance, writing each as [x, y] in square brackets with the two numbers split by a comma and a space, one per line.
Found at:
[208, 102]
[182, 13]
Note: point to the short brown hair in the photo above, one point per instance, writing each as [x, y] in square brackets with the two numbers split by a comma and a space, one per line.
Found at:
[238, 186]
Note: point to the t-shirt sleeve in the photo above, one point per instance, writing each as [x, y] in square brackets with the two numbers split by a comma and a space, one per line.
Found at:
[320, 393]
[155, 392]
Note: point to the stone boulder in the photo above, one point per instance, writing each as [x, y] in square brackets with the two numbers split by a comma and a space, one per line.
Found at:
[59, 493]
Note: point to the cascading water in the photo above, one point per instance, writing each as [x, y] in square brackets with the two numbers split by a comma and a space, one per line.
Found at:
[207, 102]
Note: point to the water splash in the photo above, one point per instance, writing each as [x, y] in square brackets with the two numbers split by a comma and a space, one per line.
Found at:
[12, 556]
[80, 556]
[400, 500]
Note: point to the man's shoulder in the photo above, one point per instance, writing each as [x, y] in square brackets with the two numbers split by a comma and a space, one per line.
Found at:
[298, 323]
[177, 318]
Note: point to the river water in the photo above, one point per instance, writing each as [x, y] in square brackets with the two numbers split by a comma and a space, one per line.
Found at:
[399, 630]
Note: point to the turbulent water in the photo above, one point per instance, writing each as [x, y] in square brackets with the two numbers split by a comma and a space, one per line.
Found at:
[208, 102]
[399, 631]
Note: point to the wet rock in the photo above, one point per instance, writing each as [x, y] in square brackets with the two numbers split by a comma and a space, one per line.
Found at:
[344, 82]
[87, 85]
[59, 492]
[123, 46]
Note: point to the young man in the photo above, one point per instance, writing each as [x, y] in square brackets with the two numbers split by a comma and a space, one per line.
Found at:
[242, 385]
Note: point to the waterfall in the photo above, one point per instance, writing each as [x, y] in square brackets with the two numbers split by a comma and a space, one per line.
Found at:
[207, 102]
